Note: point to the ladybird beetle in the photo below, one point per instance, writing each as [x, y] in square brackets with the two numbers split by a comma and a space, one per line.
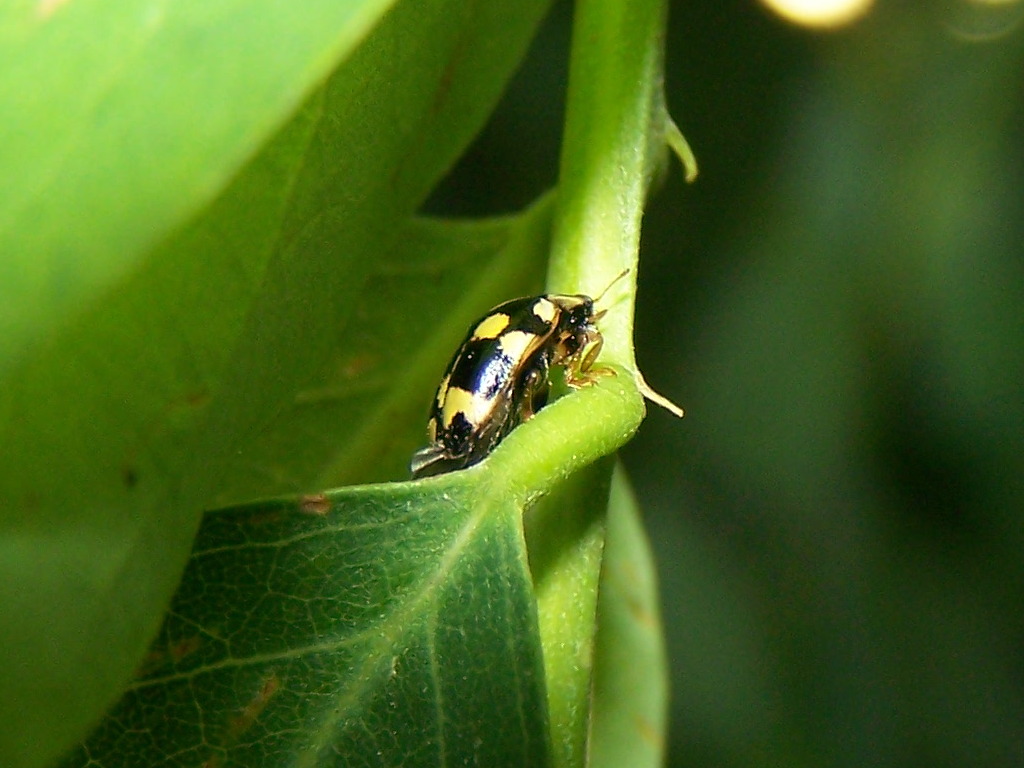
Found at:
[499, 376]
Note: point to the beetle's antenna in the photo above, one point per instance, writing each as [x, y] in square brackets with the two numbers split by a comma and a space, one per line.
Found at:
[608, 287]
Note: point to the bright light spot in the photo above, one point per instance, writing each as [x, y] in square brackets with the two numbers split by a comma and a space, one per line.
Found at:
[820, 13]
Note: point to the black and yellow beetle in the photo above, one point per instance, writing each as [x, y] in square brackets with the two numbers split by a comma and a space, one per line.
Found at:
[499, 376]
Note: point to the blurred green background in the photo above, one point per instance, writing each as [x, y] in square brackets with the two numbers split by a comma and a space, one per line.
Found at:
[838, 303]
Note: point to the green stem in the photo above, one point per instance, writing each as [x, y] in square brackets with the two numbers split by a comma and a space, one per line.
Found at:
[614, 137]
[614, 140]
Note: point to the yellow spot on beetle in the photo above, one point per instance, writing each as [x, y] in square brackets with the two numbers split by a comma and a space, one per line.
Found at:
[474, 407]
[491, 326]
[515, 343]
[545, 310]
[442, 389]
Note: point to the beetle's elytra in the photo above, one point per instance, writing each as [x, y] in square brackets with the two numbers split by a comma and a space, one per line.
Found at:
[499, 376]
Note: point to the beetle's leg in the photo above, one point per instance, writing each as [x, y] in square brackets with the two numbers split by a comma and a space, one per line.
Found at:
[535, 386]
[580, 370]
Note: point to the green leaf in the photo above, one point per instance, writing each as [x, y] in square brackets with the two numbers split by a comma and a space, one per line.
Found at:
[566, 538]
[381, 625]
[629, 713]
[123, 118]
[359, 413]
[155, 384]
[238, 325]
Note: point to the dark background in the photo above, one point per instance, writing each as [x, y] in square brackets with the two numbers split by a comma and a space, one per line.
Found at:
[838, 303]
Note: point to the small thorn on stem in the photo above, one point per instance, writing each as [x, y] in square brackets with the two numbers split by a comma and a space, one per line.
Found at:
[654, 397]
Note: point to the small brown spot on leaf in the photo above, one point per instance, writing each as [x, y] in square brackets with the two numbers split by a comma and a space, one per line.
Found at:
[174, 653]
[642, 616]
[185, 647]
[648, 731]
[197, 398]
[314, 504]
[355, 366]
[151, 662]
[245, 719]
[129, 476]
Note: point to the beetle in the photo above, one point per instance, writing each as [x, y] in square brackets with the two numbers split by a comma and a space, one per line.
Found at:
[500, 375]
